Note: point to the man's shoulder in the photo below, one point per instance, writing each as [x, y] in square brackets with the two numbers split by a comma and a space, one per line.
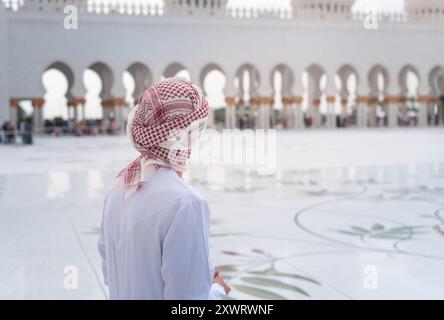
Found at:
[176, 188]
[164, 189]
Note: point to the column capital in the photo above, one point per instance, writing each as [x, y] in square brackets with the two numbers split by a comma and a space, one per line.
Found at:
[372, 101]
[297, 100]
[107, 103]
[427, 99]
[255, 101]
[316, 102]
[331, 99]
[114, 102]
[230, 101]
[119, 101]
[286, 101]
[13, 102]
[392, 100]
[38, 102]
[75, 102]
[433, 100]
[266, 100]
[423, 99]
[362, 100]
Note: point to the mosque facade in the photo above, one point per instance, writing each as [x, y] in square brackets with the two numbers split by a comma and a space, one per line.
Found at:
[314, 46]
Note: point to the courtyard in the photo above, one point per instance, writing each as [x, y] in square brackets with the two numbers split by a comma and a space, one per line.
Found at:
[352, 214]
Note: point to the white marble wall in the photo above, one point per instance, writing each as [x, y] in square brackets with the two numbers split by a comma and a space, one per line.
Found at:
[4, 94]
[36, 40]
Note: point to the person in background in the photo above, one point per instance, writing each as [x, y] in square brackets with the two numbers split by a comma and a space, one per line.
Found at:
[9, 132]
[26, 131]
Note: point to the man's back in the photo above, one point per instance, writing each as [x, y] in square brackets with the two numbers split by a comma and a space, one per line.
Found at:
[154, 244]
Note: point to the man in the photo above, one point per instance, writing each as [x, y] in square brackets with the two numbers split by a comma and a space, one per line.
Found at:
[154, 236]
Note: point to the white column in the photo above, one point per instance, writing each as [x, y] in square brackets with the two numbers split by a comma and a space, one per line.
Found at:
[105, 112]
[230, 113]
[267, 115]
[298, 89]
[37, 116]
[330, 92]
[331, 114]
[260, 120]
[83, 111]
[41, 120]
[252, 114]
[440, 112]
[35, 123]
[316, 113]
[298, 114]
[361, 101]
[76, 113]
[230, 100]
[233, 117]
[117, 110]
[80, 115]
[423, 102]
[372, 114]
[344, 112]
[272, 115]
[119, 105]
[265, 94]
[287, 113]
[77, 129]
[5, 112]
[210, 118]
[361, 112]
[266, 105]
[239, 112]
[392, 111]
[431, 108]
[227, 117]
[13, 116]
[423, 99]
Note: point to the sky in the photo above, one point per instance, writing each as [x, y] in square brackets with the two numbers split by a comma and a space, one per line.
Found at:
[56, 85]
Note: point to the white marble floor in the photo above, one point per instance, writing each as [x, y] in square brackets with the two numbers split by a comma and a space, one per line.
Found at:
[355, 214]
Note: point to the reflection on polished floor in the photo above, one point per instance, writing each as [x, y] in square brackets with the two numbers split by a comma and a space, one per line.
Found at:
[347, 215]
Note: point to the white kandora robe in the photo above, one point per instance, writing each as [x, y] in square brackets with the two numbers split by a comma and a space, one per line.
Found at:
[154, 245]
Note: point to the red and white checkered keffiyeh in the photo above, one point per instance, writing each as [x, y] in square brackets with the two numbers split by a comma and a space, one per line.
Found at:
[162, 127]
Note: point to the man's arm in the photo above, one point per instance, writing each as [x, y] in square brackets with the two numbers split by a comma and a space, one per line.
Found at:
[185, 268]
[219, 289]
[101, 247]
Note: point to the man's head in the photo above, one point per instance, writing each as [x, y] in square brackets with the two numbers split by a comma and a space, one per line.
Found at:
[169, 117]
